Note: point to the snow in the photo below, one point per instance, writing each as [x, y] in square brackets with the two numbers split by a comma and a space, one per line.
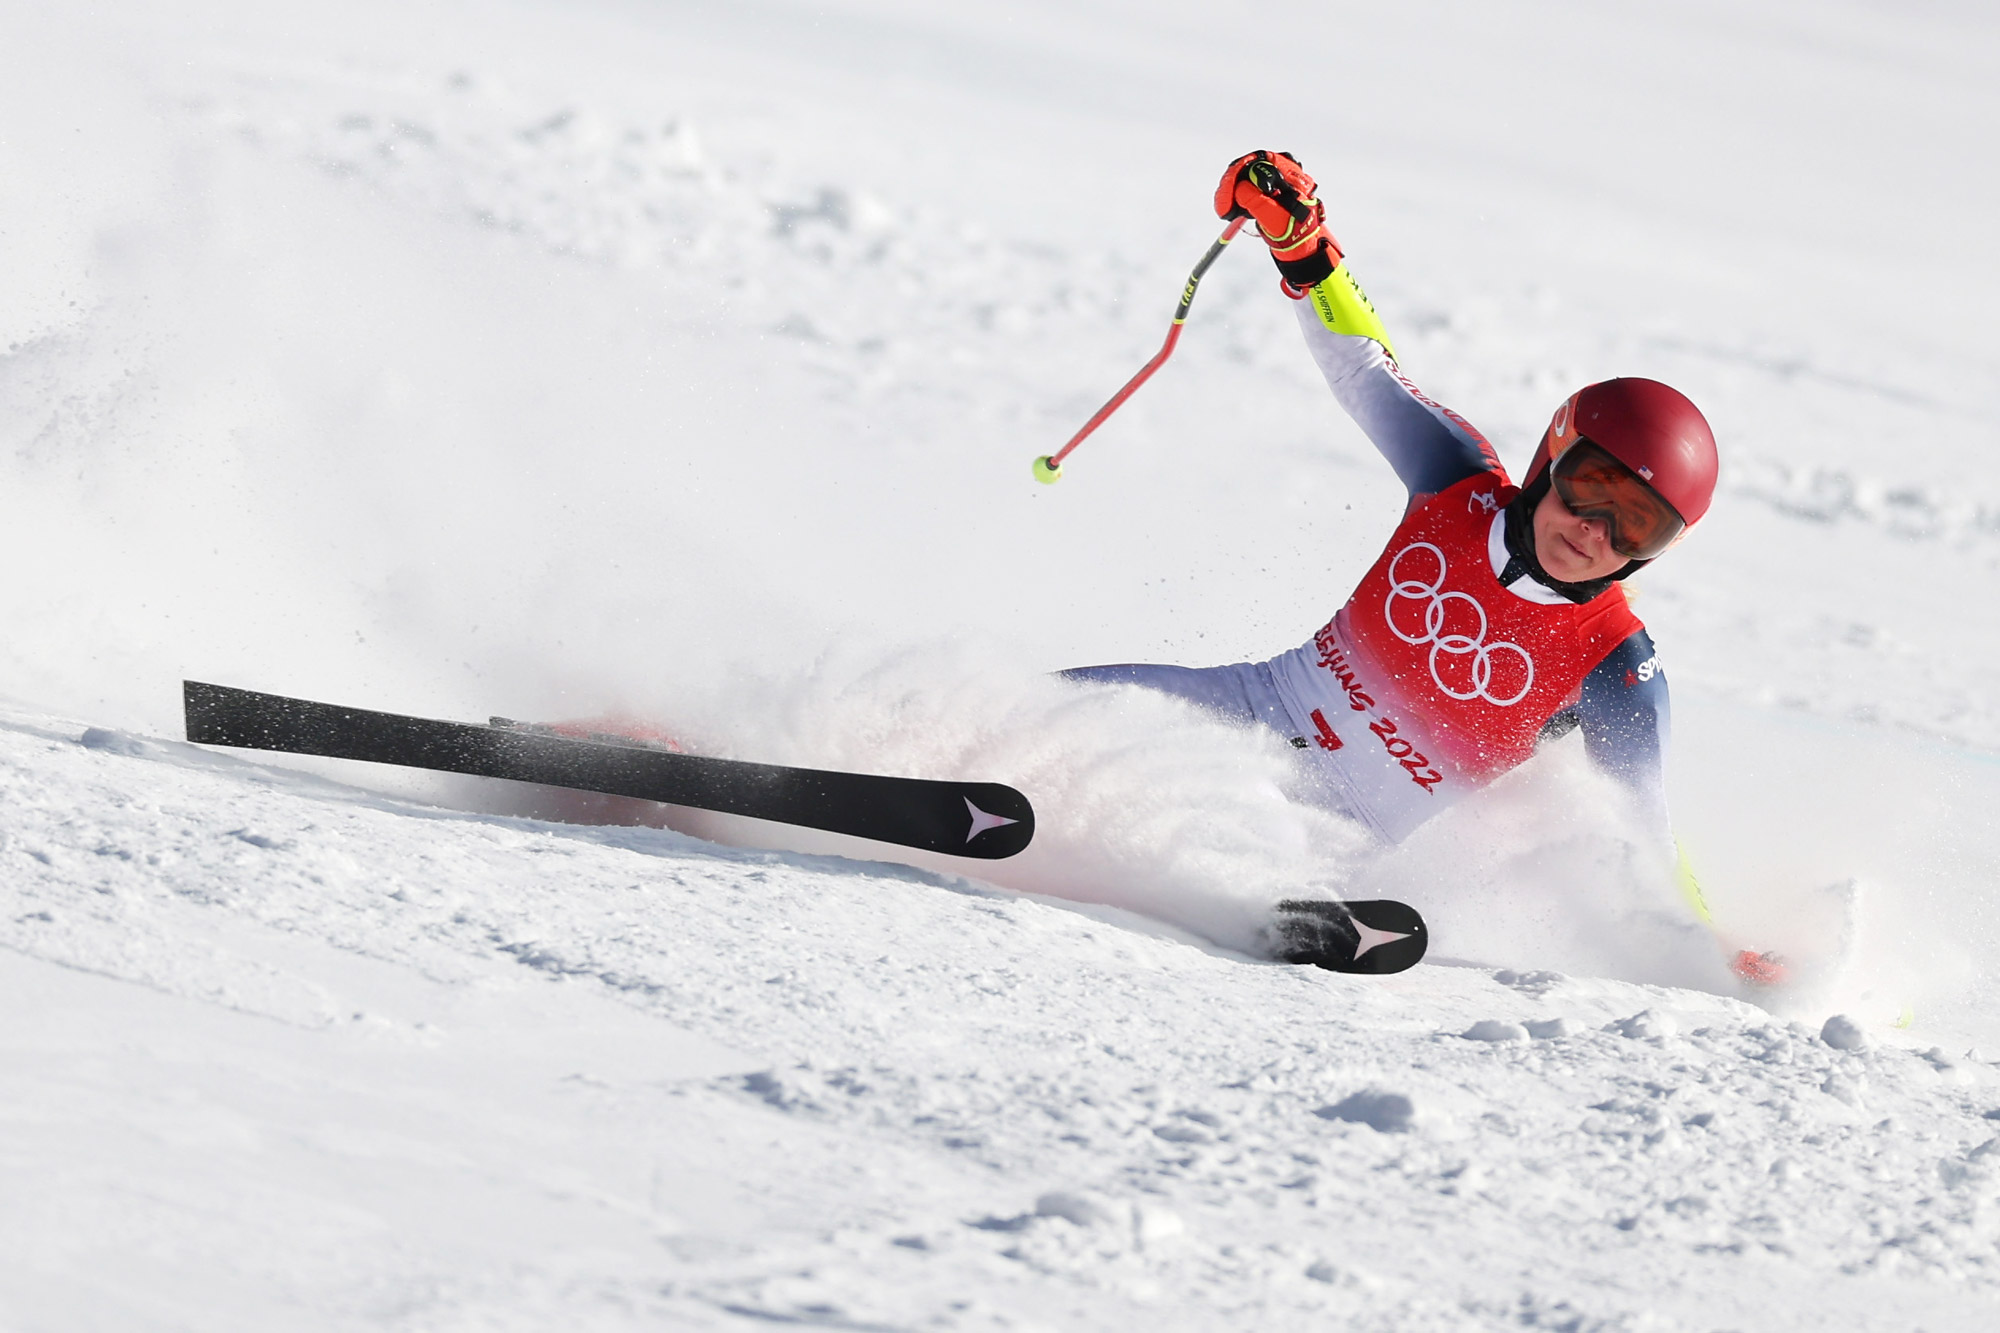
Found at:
[686, 362]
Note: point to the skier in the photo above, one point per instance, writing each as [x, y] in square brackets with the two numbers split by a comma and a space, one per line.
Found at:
[1494, 619]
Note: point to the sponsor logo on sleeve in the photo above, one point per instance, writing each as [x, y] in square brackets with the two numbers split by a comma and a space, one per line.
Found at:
[1646, 670]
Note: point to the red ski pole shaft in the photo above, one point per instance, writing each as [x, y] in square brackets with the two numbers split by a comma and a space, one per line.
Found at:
[1048, 468]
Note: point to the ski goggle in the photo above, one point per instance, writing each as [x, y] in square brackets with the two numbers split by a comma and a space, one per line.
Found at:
[1593, 484]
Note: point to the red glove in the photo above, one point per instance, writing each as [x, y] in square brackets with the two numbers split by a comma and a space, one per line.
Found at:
[1273, 190]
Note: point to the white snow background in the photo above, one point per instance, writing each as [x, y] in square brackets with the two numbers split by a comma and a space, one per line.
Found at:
[685, 361]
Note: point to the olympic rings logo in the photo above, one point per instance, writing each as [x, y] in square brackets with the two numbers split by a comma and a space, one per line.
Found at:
[1442, 608]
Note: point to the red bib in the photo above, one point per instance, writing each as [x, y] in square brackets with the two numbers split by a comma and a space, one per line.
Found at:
[1433, 679]
[1473, 666]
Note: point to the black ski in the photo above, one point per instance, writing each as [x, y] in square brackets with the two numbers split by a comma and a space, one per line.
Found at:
[1374, 936]
[981, 819]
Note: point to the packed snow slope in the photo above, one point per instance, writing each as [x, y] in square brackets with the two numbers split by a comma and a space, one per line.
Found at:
[685, 362]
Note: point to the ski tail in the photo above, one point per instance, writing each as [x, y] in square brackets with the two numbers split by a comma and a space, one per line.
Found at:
[1373, 937]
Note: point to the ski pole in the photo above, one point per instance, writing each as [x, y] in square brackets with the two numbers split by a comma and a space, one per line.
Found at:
[1048, 468]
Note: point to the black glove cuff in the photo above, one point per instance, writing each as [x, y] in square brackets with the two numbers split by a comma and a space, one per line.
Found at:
[1310, 271]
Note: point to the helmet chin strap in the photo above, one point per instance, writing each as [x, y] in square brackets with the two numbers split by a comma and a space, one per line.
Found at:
[1522, 558]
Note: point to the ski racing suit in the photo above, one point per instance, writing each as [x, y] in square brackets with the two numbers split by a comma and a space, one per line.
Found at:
[1456, 655]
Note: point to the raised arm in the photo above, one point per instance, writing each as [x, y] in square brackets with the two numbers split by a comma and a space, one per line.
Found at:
[1430, 446]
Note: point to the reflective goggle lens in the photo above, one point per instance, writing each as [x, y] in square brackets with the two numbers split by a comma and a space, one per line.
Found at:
[1593, 484]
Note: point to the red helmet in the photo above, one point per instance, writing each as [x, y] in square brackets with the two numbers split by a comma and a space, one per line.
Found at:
[1650, 428]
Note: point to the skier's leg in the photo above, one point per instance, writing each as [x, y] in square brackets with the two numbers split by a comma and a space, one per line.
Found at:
[1234, 692]
[1243, 693]
[1375, 936]
[1246, 694]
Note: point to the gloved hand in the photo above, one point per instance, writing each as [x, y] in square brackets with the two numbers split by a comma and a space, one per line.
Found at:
[1273, 190]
